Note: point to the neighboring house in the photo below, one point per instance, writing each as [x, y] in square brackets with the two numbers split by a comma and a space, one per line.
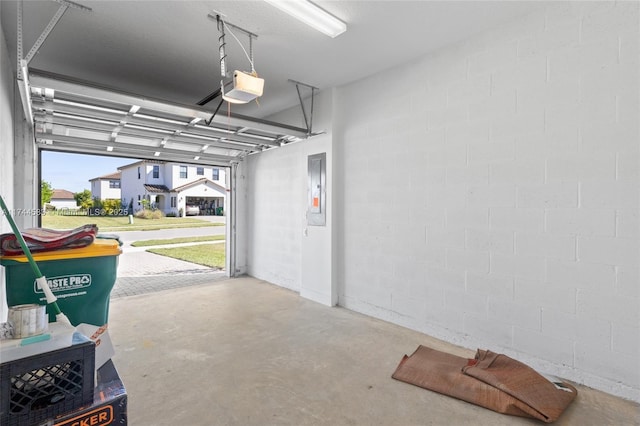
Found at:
[63, 199]
[170, 187]
[106, 187]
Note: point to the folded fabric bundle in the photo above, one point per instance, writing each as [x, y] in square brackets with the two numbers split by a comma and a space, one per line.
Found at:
[43, 239]
[490, 380]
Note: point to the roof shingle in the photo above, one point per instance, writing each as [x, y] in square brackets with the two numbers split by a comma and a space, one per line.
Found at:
[62, 194]
[156, 188]
[110, 176]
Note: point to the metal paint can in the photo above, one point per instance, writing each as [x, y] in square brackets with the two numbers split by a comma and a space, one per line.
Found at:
[28, 320]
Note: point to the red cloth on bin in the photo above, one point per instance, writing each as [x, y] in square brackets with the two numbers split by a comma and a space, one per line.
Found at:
[43, 239]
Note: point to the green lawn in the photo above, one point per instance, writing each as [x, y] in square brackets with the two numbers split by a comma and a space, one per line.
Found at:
[146, 243]
[212, 255]
[121, 223]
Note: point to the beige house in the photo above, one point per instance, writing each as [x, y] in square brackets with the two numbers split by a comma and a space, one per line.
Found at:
[63, 199]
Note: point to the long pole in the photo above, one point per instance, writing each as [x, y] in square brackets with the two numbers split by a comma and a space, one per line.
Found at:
[42, 281]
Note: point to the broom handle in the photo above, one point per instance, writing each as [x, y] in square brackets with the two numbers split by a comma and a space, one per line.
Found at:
[25, 249]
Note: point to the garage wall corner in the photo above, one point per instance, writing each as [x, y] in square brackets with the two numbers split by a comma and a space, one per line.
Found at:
[282, 248]
[27, 182]
[6, 149]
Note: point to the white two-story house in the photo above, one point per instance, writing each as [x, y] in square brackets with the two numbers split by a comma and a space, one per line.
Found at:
[106, 187]
[170, 187]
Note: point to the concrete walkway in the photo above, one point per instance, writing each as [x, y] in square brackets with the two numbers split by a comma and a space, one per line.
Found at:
[141, 272]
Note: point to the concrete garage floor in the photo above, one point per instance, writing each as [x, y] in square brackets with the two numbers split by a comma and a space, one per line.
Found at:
[244, 352]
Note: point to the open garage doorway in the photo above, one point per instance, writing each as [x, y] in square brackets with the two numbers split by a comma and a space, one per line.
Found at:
[75, 116]
[143, 203]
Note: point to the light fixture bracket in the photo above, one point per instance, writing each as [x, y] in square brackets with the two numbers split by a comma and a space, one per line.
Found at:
[308, 119]
[246, 86]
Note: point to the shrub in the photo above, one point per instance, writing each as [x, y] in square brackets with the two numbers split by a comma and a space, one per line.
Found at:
[112, 205]
[149, 214]
[143, 214]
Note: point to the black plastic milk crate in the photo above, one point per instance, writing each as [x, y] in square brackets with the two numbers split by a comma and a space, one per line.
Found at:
[41, 387]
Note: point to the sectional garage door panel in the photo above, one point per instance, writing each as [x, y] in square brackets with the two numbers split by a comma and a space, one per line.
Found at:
[75, 116]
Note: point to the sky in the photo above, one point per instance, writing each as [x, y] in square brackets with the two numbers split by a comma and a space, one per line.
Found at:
[73, 171]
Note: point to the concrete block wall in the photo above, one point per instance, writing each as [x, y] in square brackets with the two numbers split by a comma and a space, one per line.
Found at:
[489, 193]
[280, 247]
[276, 186]
[7, 87]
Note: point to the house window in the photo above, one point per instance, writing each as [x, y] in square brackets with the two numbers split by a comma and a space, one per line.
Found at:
[156, 172]
[200, 171]
[173, 202]
[114, 184]
[138, 172]
[138, 197]
[183, 172]
[216, 174]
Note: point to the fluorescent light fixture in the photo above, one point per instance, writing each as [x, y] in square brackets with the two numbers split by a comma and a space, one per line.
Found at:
[197, 157]
[311, 15]
[109, 148]
[156, 154]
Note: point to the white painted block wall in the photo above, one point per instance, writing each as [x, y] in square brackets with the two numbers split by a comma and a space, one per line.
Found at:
[281, 247]
[275, 184]
[6, 150]
[486, 194]
[511, 219]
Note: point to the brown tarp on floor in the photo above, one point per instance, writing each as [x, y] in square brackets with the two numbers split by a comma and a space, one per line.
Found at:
[490, 380]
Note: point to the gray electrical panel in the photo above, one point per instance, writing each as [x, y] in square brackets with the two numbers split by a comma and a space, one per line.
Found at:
[316, 205]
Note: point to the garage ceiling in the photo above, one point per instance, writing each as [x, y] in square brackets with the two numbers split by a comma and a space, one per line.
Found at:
[169, 50]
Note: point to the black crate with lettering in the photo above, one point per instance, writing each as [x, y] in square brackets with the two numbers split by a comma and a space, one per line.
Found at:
[109, 406]
[35, 389]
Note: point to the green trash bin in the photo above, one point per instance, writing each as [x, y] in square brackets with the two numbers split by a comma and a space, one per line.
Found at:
[81, 278]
